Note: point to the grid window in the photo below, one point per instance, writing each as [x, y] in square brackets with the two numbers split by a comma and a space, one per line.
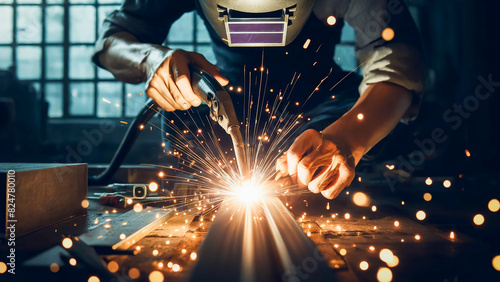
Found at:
[50, 43]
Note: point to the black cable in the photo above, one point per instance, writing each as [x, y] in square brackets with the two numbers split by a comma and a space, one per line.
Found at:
[133, 132]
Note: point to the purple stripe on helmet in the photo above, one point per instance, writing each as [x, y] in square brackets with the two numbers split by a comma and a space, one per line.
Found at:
[256, 27]
[253, 38]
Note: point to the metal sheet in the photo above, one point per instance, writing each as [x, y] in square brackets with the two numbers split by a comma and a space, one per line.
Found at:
[261, 242]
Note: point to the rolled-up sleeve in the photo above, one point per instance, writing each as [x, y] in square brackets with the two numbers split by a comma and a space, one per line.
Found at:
[397, 59]
[148, 20]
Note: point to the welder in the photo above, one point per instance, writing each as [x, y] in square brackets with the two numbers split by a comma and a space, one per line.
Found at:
[294, 43]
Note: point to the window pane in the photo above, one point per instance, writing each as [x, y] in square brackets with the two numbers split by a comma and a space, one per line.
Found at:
[29, 1]
[109, 1]
[54, 96]
[80, 65]
[82, 22]
[348, 34]
[82, 99]
[182, 29]
[6, 1]
[29, 24]
[103, 12]
[82, 1]
[135, 98]
[6, 25]
[208, 52]
[109, 99]
[345, 57]
[54, 28]
[29, 62]
[186, 47]
[54, 62]
[5, 57]
[201, 32]
[54, 1]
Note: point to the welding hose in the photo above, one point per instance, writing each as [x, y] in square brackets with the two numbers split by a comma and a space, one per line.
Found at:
[202, 84]
[133, 132]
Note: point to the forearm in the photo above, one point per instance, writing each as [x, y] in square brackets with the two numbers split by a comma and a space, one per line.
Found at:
[373, 116]
[130, 60]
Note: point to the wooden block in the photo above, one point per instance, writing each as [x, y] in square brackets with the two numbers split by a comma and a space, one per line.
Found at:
[33, 196]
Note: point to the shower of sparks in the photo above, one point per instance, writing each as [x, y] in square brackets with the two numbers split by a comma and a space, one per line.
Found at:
[207, 163]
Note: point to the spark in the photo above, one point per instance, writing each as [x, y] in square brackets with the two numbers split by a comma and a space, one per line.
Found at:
[478, 219]
[123, 236]
[343, 252]
[328, 206]
[420, 215]
[183, 251]
[72, 261]
[428, 181]
[374, 208]
[94, 279]
[3, 267]
[176, 268]
[331, 20]
[396, 223]
[361, 199]
[306, 44]
[427, 197]
[138, 207]
[467, 153]
[452, 235]
[67, 243]
[447, 184]
[153, 187]
[363, 265]
[384, 274]
[347, 216]
[155, 252]
[54, 267]
[417, 237]
[134, 273]
[360, 116]
[388, 34]
[371, 248]
[107, 226]
[496, 263]
[156, 276]
[193, 256]
[494, 205]
[106, 100]
[129, 201]
[85, 203]
[113, 266]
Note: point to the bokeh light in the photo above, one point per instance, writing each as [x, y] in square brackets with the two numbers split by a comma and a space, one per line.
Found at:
[494, 205]
[388, 34]
[384, 274]
[478, 219]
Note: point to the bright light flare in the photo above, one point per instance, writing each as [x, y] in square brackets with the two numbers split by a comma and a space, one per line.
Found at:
[248, 193]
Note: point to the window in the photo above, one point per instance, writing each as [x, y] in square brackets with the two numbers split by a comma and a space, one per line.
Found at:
[50, 43]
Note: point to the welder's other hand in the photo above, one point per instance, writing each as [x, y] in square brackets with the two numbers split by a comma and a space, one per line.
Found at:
[170, 82]
[325, 166]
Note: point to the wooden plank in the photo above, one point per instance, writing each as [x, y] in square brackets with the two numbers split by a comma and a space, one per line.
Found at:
[127, 229]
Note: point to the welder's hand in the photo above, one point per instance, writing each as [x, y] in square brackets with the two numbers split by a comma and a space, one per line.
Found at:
[322, 165]
[170, 82]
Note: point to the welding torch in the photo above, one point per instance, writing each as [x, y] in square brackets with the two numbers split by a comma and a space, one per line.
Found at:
[221, 110]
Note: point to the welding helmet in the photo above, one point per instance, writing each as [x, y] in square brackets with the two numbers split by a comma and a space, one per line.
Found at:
[254, 23]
